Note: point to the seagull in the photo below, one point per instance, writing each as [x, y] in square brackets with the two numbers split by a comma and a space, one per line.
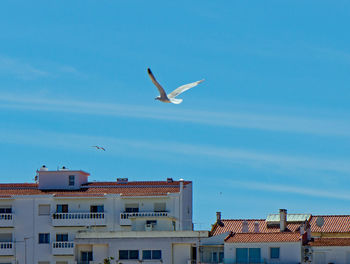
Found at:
[97, 147]
[170, 98]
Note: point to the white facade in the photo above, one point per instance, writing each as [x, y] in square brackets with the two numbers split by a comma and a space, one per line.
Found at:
[330, 254]
[39, 222]
[289, 252]
[176, 247]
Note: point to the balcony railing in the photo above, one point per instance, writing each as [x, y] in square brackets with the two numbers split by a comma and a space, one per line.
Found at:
[63, 248]
[125, 217]
[6, 248]
[78, 219]
[6, 220]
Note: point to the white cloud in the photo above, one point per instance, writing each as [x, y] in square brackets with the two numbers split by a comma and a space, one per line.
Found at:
[20, 69]
[281, 123]
[281, 188]
[133, 147]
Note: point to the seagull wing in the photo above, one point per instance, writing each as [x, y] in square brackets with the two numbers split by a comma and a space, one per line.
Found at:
[103, 148]
[160, 88]
[183, 88]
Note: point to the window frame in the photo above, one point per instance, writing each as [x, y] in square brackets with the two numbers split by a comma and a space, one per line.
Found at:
[71, 180]
[44, 238]
[129, 254]
[279, 252]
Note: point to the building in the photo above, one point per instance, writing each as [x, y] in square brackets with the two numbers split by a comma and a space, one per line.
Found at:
[63, 218]
[279, 238]
[330, 241]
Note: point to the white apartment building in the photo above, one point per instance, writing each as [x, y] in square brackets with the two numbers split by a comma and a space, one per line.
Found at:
[63, 218]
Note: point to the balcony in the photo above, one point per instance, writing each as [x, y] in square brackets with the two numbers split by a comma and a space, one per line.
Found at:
[7, 249]
[125, 218]
[63, 248]
[78, 219]
[6, 220]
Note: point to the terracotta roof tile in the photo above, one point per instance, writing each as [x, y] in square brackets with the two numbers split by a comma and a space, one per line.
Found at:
[332, 223]
[235, 226]
[327, 242]
[157, 188]
[263, 237]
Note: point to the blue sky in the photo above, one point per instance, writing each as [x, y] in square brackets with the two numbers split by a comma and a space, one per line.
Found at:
[268, 129]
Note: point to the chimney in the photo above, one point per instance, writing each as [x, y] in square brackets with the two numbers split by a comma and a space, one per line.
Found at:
[181, 184]
[256, 227]
[218, 217]
[283, 219]
[245, 226]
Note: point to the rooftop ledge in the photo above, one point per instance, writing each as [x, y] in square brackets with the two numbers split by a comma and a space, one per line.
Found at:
[141, 234]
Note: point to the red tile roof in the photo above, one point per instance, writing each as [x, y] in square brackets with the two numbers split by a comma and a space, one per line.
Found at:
[235, 226]
[332, 224]
[150, 188]
[329, 242]
[263, 237]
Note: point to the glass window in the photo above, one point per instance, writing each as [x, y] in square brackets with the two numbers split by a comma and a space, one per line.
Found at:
[123, 254]
[6, 210]
[146, 254]
[96, 209]
[133, 254]
[62, 208]
[128, 254]
[44, 238]
[71, 180]
[156, 254]
[61, 237]
[215, 257]
[275, 253]
[86, 255]
[221, 257]
[254, 255]
[131, 208]
[242, 255]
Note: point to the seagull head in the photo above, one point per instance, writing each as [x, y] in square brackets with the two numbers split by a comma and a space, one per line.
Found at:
[157, 98]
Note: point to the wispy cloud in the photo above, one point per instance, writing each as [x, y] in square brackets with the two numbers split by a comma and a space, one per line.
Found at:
[281, 188]
[281, 123]
[155, 149]
[20, 69]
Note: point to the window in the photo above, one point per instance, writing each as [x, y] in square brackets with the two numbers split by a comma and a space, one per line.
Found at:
[96, 209]
[71, 181]
[62, 208]
[5, 210]
[151, 254]
[86, 256]
[131, 208]
[44, 238]
[61, 237]
[159, 207]
[151, 222]
[254, 255]
[221, 257]
[214, 257]
[44, 209]
[241, 255]
[128, 254]
[275, 253]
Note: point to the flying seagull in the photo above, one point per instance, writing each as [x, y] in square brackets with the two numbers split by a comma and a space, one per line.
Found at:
[170, 98]
[97, 147]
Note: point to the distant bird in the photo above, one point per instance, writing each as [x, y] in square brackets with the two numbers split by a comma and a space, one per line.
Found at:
[170, 98]
[97, 147]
